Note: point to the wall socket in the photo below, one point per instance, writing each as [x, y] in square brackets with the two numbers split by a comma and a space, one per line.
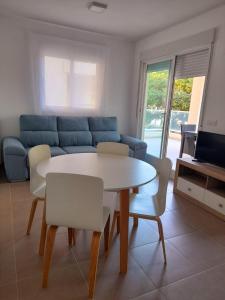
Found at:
[212, 123]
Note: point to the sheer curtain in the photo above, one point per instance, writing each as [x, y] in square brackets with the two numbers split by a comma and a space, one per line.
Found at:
[68, 76]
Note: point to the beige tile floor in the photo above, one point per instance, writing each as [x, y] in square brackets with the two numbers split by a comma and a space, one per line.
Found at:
[195, 244]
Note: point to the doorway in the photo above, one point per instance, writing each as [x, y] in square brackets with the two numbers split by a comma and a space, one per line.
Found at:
[185, 109]
[156, 100]
[174, 93]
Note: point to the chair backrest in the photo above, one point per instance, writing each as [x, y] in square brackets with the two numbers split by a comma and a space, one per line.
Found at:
[74, 201]
[35, 156]
[188, 140]
[113, 148]
[164, 171]
[187, 127]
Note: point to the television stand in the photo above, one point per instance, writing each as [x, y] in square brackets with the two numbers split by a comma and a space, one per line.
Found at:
[201, 183]
[197, 160]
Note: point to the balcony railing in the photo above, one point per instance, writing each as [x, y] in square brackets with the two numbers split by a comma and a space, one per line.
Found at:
[154, 119]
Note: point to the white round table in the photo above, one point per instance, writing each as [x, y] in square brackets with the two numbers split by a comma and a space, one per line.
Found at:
[119, 173]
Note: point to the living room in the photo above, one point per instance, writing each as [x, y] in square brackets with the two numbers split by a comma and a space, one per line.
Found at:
[104, 89]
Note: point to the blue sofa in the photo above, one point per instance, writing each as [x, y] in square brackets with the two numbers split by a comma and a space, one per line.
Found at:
[64, 135]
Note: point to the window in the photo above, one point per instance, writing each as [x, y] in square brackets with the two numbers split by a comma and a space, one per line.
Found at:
[56, 78]
[70, 76]
[69, 84]
[84, 87]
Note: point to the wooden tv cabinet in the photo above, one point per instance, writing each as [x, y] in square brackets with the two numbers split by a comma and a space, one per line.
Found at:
[201, 183]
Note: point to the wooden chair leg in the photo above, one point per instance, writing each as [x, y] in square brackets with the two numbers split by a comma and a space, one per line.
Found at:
[136, 190]
[43, 233]
[112, 227]
[94, 262]
[48, 254]
[135, 219]
[118, 222]
[73, 236]
[159, 229]
[70, 236]
[32, 213]
[162, 239]
[106, 236]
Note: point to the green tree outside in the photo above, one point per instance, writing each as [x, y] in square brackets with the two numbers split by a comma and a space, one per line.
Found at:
[157, 91]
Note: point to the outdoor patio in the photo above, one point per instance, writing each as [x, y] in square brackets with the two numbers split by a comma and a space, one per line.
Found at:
[153, 127]
[173, 148]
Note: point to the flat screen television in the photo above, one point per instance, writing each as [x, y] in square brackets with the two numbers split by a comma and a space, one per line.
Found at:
[210, 148]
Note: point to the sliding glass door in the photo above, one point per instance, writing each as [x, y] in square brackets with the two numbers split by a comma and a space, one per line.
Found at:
[173, 94]
[156, 104]
[186, 100]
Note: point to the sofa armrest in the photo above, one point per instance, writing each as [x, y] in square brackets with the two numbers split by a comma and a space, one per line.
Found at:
[15, 159]
[13, 146]
[134, 143]
[137, 147]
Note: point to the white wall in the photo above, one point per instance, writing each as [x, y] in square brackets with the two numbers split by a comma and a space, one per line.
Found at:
[15, 83]
[215, 100]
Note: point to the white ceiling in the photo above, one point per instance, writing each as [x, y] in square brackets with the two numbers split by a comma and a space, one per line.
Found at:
[131, 19]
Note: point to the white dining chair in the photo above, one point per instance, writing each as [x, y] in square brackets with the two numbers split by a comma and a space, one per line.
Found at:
[76, 201]
[37, 183]
[151, 207]
[113, 148]
[38, 188]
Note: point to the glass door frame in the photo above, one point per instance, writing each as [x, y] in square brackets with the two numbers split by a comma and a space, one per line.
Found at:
[168, 108]
[166, 121]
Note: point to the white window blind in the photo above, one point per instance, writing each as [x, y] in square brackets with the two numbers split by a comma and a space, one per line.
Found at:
[69, 76]
[193, 64]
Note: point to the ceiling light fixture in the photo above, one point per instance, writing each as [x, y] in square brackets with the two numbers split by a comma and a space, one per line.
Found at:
[97, 7]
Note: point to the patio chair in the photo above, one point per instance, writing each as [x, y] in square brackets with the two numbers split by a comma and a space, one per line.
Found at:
[188, 137]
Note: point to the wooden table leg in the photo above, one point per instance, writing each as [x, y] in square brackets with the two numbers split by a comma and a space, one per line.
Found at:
[124, 219]
[136, 190]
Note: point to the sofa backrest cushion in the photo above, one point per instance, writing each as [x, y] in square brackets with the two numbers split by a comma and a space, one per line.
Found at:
[74, 131]
[37, 130]
[102, 123]
[104, 129]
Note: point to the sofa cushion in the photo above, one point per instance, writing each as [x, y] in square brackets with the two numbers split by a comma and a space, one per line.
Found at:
[75, 138]
[74, 131]
[131, 152]
[105, 136]
[37, 130]
[55, 151]
[72, 124]
[102, 123]
[38, 123]
[34, 138]
[79, 149]
[103, 129]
